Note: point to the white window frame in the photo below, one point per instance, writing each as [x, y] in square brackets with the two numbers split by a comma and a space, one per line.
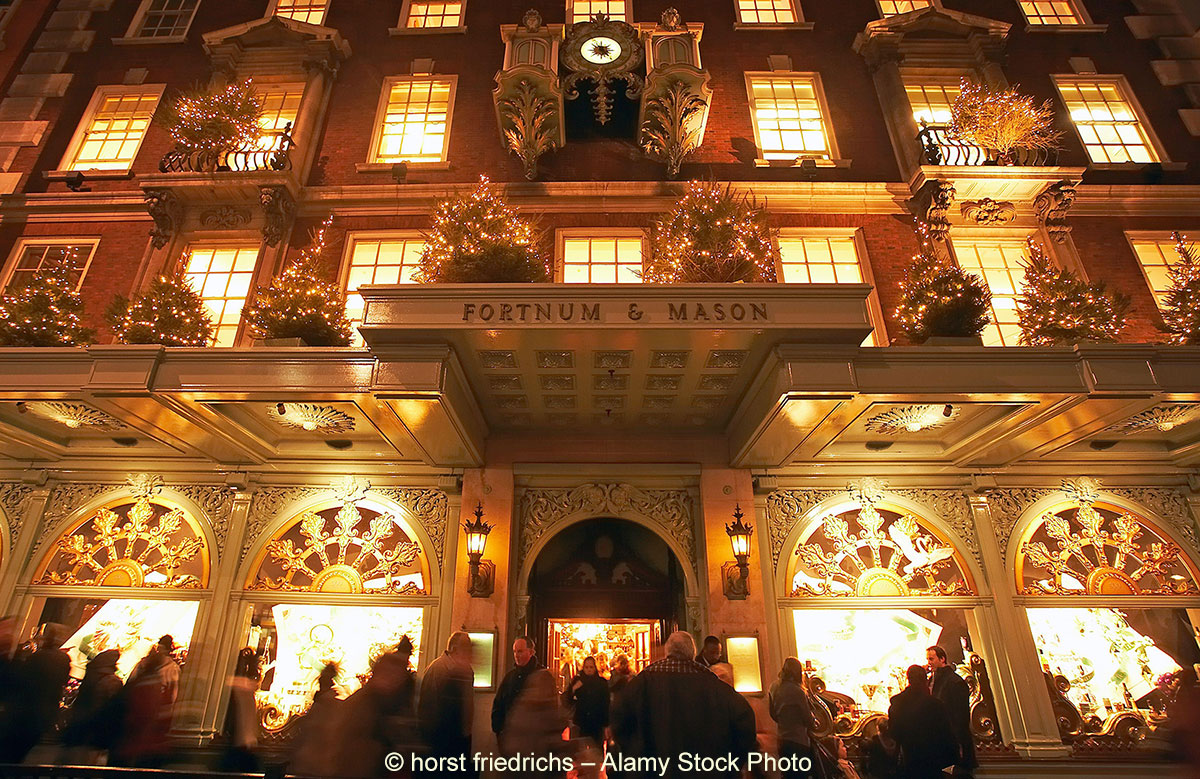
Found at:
[274, 5]
[882, 15]
[797, 11]
[1156, 236]
[835, 156]
[1020, 234]
[570, 9]
[878, 335]
[1078, 6]
[353, 238]
[199, 242]
[55, 240]
[563, 233]
[381, 111]
[132, 37]
[85, 121]
[402, 27]
[1127, 93]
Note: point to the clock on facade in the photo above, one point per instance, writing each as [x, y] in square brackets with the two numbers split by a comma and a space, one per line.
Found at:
[602, 50]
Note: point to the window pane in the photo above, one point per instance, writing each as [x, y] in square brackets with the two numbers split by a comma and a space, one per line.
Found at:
[378, 261]
[766, 12]
[1156, 255]
[434, 13]
[223, 276]
[34, 256]
[998, 262]
[310, 11]
[788, 118]
[167, 18]
[1106, 121]
[893, 7]
[1050, 12]
[602, 260]
[582, 10]
[115, 131]
[414, 122]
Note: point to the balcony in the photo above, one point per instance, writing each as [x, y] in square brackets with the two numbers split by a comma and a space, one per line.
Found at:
[938, 147]
[272, 152]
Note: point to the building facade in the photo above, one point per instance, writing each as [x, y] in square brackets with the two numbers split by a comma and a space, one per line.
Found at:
[1034, 510]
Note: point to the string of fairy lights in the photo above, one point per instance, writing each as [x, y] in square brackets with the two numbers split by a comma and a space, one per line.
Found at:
[938, 298]
[1002, 120]
[1181, 307]
[46, 311]
[218, 119]
[169, 312]
[1057, 307]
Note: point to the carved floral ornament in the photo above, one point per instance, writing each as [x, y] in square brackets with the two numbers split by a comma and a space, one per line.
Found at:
[351, 547]
[871, 548]
[1085, 546]
[138, 543]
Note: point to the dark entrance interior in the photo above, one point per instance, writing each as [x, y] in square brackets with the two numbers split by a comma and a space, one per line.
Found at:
[604, 587]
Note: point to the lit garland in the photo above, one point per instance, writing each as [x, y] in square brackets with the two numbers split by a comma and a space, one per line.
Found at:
[1002, 120]
[938, 298]
[1181, 309]
[712, 235]
[479, 238]
[169, 312]
[301, 302]
[46, 311]
[217, 120]
[1056, 307]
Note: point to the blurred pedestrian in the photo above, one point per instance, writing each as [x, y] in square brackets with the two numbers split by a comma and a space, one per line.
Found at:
[921, 726]
[94, 720]
[363, 732]
[9, 692]
[318, 729]
[41, 678]
[445, 711]
[677, 705]
[882, 754]
[525, 662]
[536, 721]
[792, 711]
[711, 652]
[241, 724]
[621, 674]
[589, 694]
[953, 691]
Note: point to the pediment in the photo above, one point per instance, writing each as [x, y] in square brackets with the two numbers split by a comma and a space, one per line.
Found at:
[934, 22]
[274, 44]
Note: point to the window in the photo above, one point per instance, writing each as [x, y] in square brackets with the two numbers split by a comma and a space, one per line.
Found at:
[112, 130]
[31, 256]
[826, 257]
[378, 259]
[673, 51]
[163, 18]
[582, 10]
[531, 52]
[998, 261]
[789, 116]
[281, 104]
[223, 275]
[602, 259]
[1106, 119]
[766, 11]
[1051, 12]
[426, 14]
[930, 99]
[893, 7]
[414, 121]
[1155, 253]
[310, 11]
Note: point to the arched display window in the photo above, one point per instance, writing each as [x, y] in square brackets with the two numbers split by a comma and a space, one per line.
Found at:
[1109, 595]
[341, 581]
[122, 574]
[870, 581]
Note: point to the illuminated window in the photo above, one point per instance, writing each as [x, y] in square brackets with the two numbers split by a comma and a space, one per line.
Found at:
[31, 256]
[998, 261]
[819, 260]
[414, 120]
[223, 275]
[582, 10]
[766, 11]
[930, 100]
[379, 260]
[893, 7]
[434, 13]
[788, 118]
[164, 18]
[310, 11]
[1156, 255]
[113, 128]
[1106, 120]
[602, 259]
[1051, 12]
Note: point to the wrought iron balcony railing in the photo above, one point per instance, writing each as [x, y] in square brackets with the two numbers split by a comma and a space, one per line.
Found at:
[939, 148]
[271, 152]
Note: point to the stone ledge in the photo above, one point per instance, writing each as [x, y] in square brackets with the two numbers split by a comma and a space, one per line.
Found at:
[41, 85]
[22, 133]
[65, 40]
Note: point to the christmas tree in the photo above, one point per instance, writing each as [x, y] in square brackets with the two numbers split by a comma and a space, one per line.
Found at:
[301, 302]
[215, 120]
[1056, 307]
[1003, 120]
[712, 235]
[45, 311]
[479, 238]
[170, 312]
[1181, 309]
[938, 298]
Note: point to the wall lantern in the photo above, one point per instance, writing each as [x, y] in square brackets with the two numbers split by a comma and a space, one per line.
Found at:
[737, 574]
[482, 581]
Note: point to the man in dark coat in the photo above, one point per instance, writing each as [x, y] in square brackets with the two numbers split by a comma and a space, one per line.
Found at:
[41, 678]
[677, 706]
[525, 657]
[950, 688]
[446, 706]
[919, 723]
[710, 652]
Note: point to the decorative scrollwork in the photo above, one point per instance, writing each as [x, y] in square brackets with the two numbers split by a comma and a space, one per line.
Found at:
[529, 120]
[910, 419]
[670, 130]
[12, 505]
[1164, 418]
[1052, 205]
[311, 417]
[603, 73]
[72, 415]
[279, 208]
[932, 206]
[167, 212]
[989, 212]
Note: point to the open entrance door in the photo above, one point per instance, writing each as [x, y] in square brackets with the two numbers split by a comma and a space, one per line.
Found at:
[571, 641]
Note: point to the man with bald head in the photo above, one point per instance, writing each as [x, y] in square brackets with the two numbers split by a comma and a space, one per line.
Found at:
[678, 706]
[445, 709]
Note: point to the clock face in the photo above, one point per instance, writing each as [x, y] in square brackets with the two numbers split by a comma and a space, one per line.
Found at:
[600, 50]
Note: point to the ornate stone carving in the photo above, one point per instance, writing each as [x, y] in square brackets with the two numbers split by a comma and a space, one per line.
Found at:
[952, 507]
[266, 506]
[1163, 419]
[602, 50]
[65, 499]
[1171, 505]
[1051, 206]
[932, 206]
[225, 217]
[787, 507]
[216, 500]
[988, 211]
[166, 211]
[910, 419]
[73, 415]
[1006, 507]
[543, 509]
[671, 129]
[279, 209]
[12, 503]
[430, 508]
[532, 20]
[529, 121]
[311, 417]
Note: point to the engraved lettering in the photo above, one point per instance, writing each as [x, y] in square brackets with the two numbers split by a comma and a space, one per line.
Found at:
[758, 311]
[677, 313]
[737, 311]
[590, 314]
[468, 311]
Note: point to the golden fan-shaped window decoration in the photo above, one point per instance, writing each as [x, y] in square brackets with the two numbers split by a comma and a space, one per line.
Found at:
[875, 551]
[346, 549]
[136, 544]
[1092, 548]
